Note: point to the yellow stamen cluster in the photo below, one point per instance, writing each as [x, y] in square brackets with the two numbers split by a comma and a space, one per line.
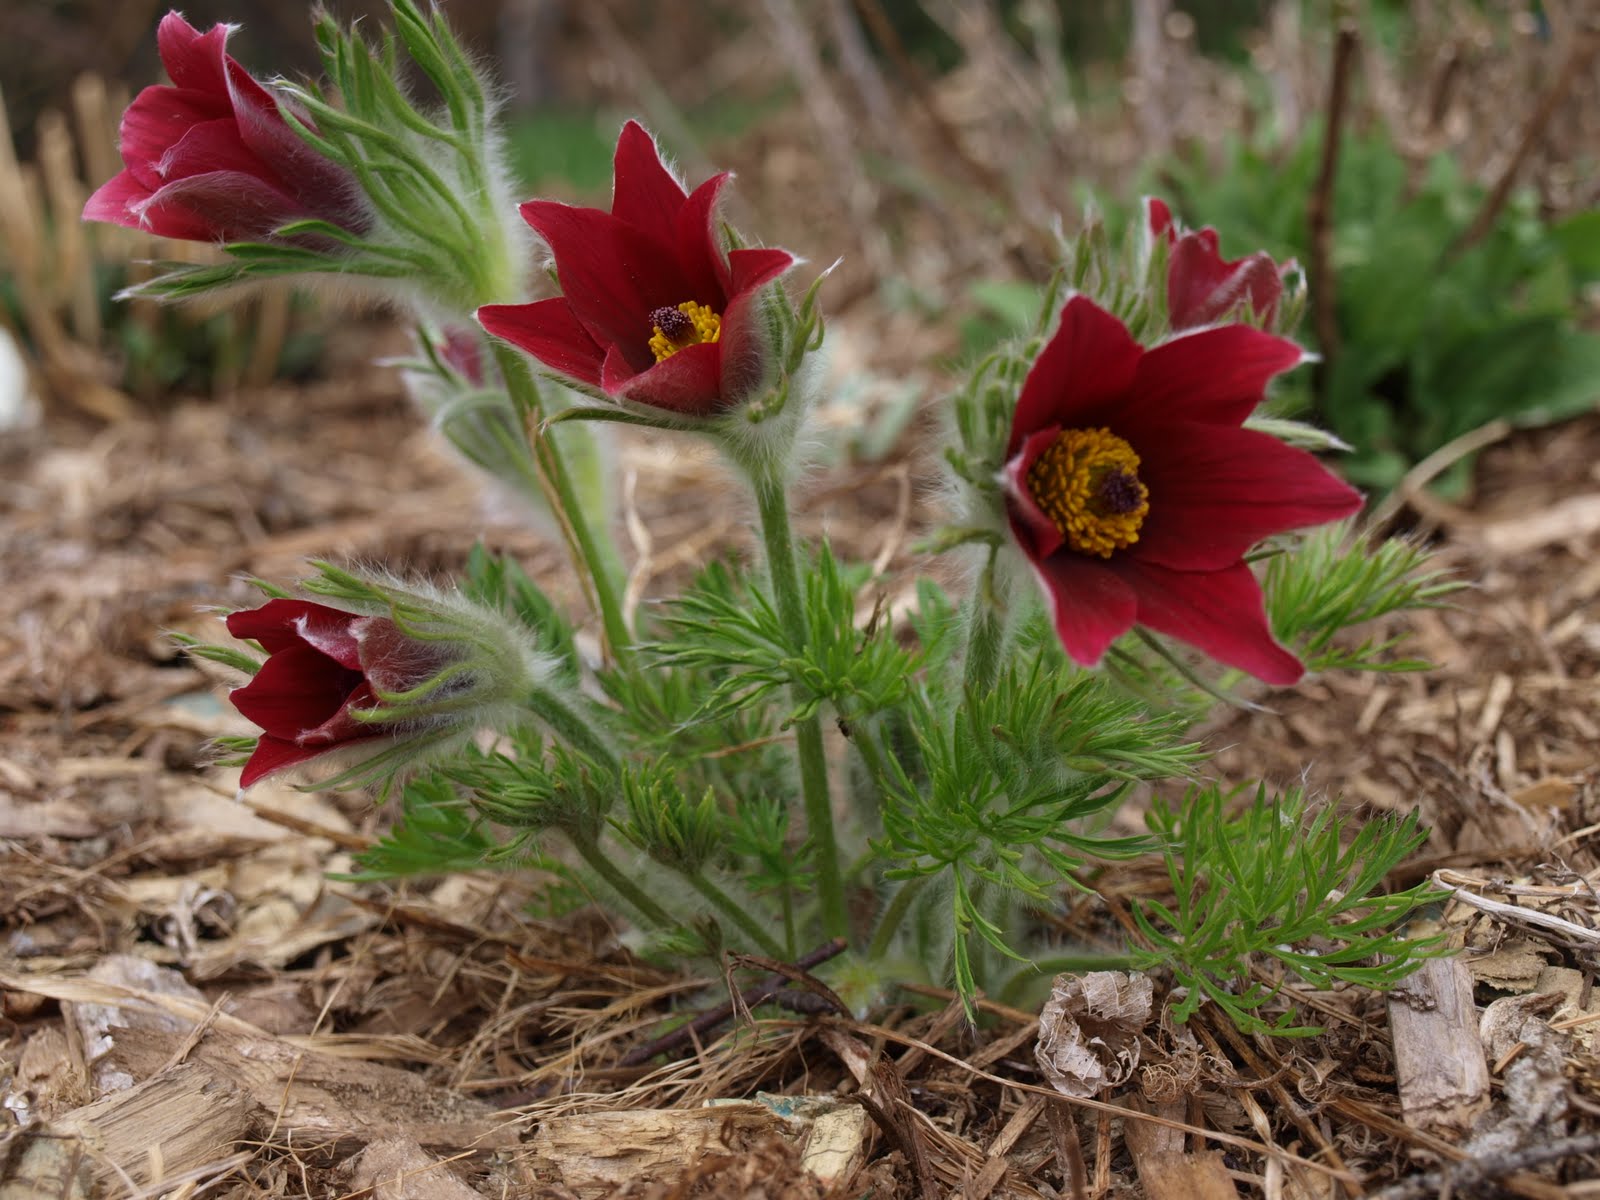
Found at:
[702, 325]
[1087, 483]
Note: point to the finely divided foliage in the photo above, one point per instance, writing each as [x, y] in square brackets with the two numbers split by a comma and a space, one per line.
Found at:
[777, 756]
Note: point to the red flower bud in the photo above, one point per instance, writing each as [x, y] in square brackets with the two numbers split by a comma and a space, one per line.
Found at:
[323, 666]
[210, 158]
[1202, 286]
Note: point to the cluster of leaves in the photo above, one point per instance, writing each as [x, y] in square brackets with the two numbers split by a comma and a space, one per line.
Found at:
[1278, 881]
[968, 807]
[1439, 334]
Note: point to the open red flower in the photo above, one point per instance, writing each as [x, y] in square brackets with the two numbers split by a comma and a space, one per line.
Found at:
[1134, 491]
[1202, 286]
[653, 311]
[210, 158]
[322, 664]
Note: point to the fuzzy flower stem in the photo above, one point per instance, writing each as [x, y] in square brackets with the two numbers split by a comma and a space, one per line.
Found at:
[786, 899]
[591, 853]
[572, 728]
[894, 914]
[773, 504]
[597, 557]
[986, 633]
[725, 904]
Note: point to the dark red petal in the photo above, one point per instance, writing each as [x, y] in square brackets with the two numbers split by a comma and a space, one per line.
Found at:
[391, 659]
[175, 221]
[322, 186]
[746, 341]
[1217, 376]
[193, 59]
[1158, 217]
[547, 330]
[296, 690]
[1264, 281]
[118, 201]
[155, 122]
[616, 371]
[335, 633]
[612, 274]
[272, 755]
[689, 382]
[341, 727]
[1029, 524]
[643, 191]
[698, 246]
[1082, 372]
[751, 269]
[212, 146]
[277, 623]
[1215, 491]
[1202, 289]
[1090, 605]
[1218, 612]
[232, 205]
[246, 94]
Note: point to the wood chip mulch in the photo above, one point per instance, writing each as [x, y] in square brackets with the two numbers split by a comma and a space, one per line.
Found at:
[192, 1007]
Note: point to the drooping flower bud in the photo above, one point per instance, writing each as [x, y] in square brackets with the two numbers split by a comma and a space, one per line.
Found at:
[1203, 287]
[357, 180]
[209, 158]
[386, 678]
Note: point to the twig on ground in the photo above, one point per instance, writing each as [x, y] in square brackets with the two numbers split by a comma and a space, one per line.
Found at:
[758, 993]
[1513, 913]
[1447, 1180]
[1434, 465]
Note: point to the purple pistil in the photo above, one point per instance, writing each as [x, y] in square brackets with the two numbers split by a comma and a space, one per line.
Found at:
[1118, 493]
[672, 322]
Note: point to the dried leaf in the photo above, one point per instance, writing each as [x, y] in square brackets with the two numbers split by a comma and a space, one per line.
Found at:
[1089, 1030]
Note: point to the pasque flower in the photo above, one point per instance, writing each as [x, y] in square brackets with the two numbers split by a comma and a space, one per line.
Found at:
[1134, 492]
[1202, 286]
[211, 159]
[653, 310]
[326, 680]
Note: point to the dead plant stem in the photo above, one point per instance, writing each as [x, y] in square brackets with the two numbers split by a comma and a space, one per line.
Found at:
[1319, 212]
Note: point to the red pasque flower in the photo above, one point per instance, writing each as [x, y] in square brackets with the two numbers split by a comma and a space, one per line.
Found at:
[210, 158]
[1202, 286]
[322, 664]
[1134, 491]
[653, 310]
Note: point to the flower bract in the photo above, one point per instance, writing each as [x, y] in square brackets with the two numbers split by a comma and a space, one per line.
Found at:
[210, 158]
[1134, 492]
[653, 310]
[1202, 286]
[324, 666]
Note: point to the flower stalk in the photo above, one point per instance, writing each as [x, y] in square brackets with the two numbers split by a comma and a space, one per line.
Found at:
[595, 556]
[588, 848]
[735, 912]
[772, 503]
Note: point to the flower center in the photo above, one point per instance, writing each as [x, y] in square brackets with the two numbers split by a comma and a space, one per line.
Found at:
[689, 324]
[1087, 483]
